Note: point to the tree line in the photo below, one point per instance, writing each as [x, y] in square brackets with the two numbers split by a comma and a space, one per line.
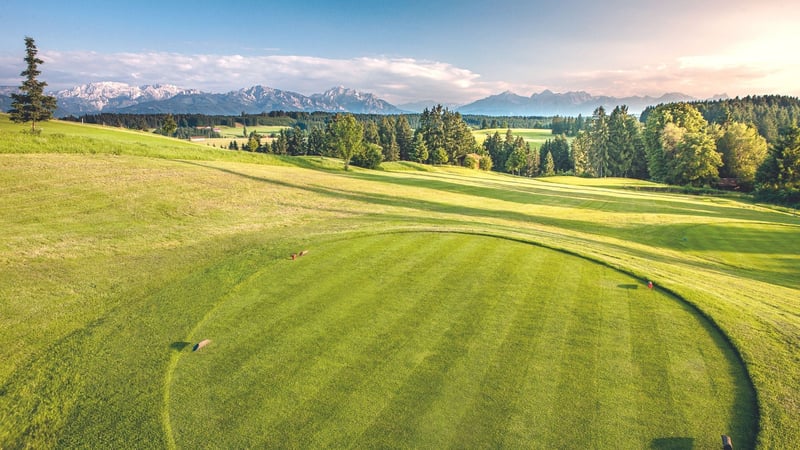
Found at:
[769, 114]
[441, 137]
[672, 143]
[676, 144]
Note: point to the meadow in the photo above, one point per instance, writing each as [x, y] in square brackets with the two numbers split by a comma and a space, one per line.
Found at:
[236, 132]
[435, 307]
[535, 136]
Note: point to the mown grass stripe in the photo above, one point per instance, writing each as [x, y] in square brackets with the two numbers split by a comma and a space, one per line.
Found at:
[428, 320]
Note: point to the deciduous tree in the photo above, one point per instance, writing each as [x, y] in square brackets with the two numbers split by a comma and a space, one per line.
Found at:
[345, 137]
[694, 161]
[743, 150]
[665, 127]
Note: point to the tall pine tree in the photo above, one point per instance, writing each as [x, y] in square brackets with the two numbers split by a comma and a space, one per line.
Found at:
[31, 105]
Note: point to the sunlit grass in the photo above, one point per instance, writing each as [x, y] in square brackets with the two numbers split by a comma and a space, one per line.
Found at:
[114, 247]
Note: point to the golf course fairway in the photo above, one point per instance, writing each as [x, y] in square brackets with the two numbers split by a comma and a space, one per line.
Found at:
[434, 340]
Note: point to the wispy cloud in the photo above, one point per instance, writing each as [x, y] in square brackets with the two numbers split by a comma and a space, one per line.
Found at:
[699, 76]
[397, 80]
[744, 70]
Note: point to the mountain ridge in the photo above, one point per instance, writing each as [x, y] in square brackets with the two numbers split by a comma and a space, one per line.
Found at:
[117, 97]
[572, 103]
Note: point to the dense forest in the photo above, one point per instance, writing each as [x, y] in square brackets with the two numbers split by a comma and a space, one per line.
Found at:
[747, 144]
[767, 113]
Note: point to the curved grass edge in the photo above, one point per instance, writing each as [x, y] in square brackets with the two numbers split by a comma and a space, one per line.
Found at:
[706, 319]
[693, 306]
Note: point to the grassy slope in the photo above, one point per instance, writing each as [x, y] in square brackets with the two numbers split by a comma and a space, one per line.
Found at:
[737, 262]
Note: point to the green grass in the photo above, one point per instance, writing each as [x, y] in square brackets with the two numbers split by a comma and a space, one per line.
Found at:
[415, 348]
[535, 136]
[235, 132]
[118, 249]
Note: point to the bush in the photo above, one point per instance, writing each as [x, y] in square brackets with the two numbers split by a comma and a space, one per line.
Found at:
[786, 196]
[486, 162]
[370, 158]
[472, 161]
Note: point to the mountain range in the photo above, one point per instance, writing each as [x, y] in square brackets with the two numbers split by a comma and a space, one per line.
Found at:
[114, 97]
[548, 103]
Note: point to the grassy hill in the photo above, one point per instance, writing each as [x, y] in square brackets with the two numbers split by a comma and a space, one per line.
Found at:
[436, 306]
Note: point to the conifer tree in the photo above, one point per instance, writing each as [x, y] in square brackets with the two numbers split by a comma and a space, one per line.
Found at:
[405, 137]
[169, 127]
[419, 151]
[549, 168]
[31, 105]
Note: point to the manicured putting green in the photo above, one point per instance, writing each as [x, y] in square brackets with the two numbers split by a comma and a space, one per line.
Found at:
[438, 340]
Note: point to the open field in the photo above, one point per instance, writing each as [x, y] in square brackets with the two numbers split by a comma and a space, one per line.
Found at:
[433, 308]
[236, 132]
[535, 136]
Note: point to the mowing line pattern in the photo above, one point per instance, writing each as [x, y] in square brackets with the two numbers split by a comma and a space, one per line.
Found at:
[440, 340]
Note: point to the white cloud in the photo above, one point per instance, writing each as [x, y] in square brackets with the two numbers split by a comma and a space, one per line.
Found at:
[754, 67]
[698, 75]
[397, 80]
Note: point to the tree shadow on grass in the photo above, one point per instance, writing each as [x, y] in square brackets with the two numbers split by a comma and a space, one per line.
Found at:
[586, 226]
[179, 345]
[674, 443]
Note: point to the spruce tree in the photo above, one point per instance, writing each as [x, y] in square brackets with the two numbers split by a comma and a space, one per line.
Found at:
[549, 168]
[31, 105]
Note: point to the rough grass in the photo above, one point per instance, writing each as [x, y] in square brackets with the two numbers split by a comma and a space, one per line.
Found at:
[115, 245]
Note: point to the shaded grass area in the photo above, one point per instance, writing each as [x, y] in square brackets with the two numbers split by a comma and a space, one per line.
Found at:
[406, 350]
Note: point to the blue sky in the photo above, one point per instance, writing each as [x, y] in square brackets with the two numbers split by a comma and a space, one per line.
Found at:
[447, 51]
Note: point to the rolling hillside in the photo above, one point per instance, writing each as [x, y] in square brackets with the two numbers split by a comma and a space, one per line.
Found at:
[119, 250]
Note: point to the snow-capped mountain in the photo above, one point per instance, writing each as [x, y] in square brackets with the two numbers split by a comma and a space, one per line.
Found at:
[351, 100]
[123, 98]
[110, 95]
[116, 97]
[548, 103]
[267, 98]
